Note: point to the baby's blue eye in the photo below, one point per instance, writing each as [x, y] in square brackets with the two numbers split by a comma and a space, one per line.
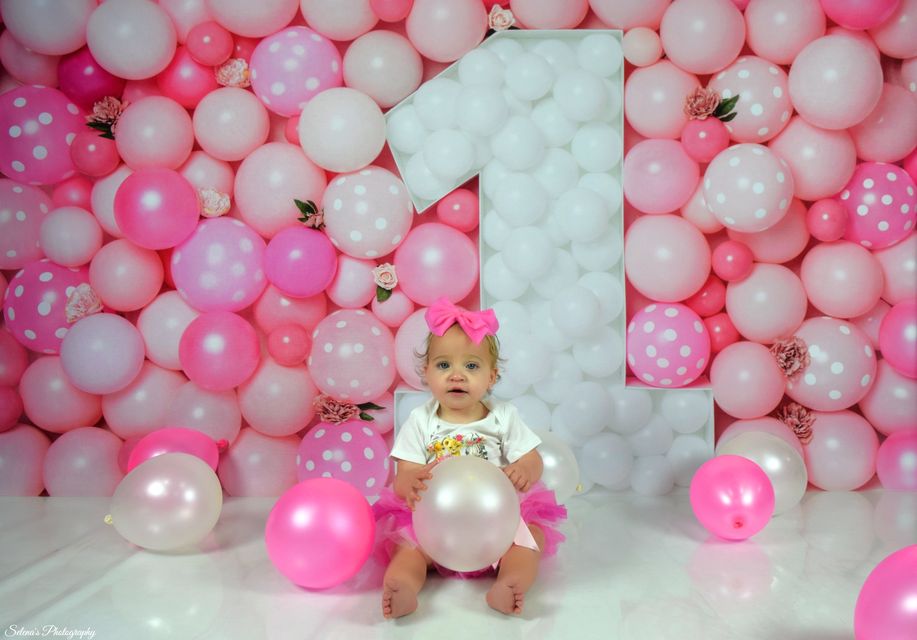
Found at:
[442, 365]
[472, 365]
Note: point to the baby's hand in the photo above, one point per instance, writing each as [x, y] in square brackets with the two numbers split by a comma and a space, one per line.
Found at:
[519, 475]
[417, 483]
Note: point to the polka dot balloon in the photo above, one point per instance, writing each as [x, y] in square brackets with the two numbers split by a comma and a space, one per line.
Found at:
[351, 451]
[353, 356]
[748, 188]
[291, 66]
[881, 204]
[35, 304]
[367, 214]
[842, 365]
[37, 125]
[764, 107]
[22, 210]
[219, 268]
[667, 345]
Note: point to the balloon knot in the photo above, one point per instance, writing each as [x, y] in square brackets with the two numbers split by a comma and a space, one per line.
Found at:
[222, 445]
[107, 519]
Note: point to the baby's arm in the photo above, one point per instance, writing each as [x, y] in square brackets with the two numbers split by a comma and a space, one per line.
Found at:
[525, 471]
[409, 480]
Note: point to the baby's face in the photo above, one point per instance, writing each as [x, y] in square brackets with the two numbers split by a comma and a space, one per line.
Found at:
[459, 372]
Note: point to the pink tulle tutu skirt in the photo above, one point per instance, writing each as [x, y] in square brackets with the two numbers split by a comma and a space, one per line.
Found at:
[394, 523]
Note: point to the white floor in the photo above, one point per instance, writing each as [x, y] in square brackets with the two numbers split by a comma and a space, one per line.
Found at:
[632, 568]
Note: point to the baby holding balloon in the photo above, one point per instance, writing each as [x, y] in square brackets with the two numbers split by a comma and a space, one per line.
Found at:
[460, 366]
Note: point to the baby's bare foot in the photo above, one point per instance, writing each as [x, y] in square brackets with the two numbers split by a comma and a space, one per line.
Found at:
[397, 599]
[506, 598]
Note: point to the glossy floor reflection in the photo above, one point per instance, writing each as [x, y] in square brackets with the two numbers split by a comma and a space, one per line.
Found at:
[633, 568]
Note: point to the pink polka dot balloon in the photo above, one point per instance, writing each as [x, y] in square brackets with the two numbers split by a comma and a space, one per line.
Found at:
[367, 214]
[35, 304]
[22, 210]
[748, 188]
[37, 125]
[352, 356]
[351, 451]
[219, 268]
[291, 66]
[764, 105]
[667, 345]
[881, 204]
[842, 365]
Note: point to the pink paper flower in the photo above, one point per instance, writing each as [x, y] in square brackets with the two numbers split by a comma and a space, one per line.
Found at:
[82, 302]
[701, 103]
[792, 355]
[233, 73]
[213, 203]
[384, 276]
[799, 419]
[334, 412]
[500, 19]
[105, 115]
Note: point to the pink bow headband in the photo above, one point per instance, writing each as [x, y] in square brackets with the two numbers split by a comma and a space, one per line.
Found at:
[442, 314]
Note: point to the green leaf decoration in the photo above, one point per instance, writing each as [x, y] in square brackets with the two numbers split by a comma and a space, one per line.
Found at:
[726, 106]
[104, 127]
[365, 416]
[306, 208]
[370, 406]
[729, 117]
[382, 294]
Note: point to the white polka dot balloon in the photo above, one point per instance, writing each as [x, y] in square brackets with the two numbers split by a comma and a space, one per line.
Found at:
[748, 188]
[667, 345]
[351, 451]
[22, 210]
[842, 365]
[881, 204]
[764, 107]
[353, 356]
[367, 214]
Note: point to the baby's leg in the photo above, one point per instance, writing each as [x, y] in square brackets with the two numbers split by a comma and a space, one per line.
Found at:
[403, 580]
[518, 569]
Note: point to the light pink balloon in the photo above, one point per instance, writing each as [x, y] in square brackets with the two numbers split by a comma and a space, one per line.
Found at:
[102, 353]
[436, 260]
[842, 453]
[666, 258]
[779, 29]
[215, 413]
[895, 36]
[301, 262]
[764, 108]
[889, 132]
[103, 199]
[445, 30]
[767, 305]
[142, 406]
[835, 82]
[383, 419]
[161, 323]
[898, 337]
[626, 14]
[230, 123]
[342, 20]
[659, 176]
[52, 402]
[842, 365]
[125, 276]
[820, 160]
[351, 451]
[22, 454]
[383, 65]
[881, 203]
[219, 350]
[410, 339]
[642, 46]
[352, 356]
[842, 279]
[668, 345]
[174, 440]
[46, 26]
[895, 461]
[259, 465]
[155, 132]
[899, 266]
[702, 36]
[277, 400]
[854, 14]
[535, 14]
[274, 309]
[654, 99]
[870, 321]
[22, 212]
[394, 311]
[24, 64]
[353, 286]
[781, 242]
[206, 172]
[131, 39]
[13, 360]
[746, 380]
[696, 212]
[891, 402]
[768, 425]
[342, 129]
[185, 14]
[83, 462]
[186, 80]
[253, 20]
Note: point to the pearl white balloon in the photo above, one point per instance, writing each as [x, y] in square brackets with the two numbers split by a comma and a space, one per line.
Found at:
[580, 94]
[562, 276]
[500, 282]
[436, 102]
[609, 291]
[601, 254]
[685, 411]
[449, 154]
[481, 67]
[600, 354]
[564, 375]
[782, 464]
[654, 439]
[529, 252]
[607, 459]
[404, 129]
[519, 144]
[560, 468]
[597, 147]
[584, 214]
[600, 53]
[529, 76]
[652, 476]
[520, 200]
[556, 127]
[482, 110]
[575, 311]
[686, 454]
[633, 408]
[558, 171]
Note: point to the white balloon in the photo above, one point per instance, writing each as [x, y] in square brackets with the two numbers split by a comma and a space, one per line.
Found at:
[600, 53]
[519, 144]
[587, 409]
[633, 408]
[507, 388]
[607, 459]
[517, 106]
[607, 186]
[585, 484]
[482, 153]
[560, 428]
[449, 154]
[553, 225]
[581, 95]
[609, 290]
[562, 276]
[558, 54]
[583, 214]
[556, 127]
[597, 147]
[505, 49]
[533, 411]
[553, 338]
[527, 360]
[436, 102]
[557, 172]
[512, 317]
[529, 252]
[686, 455]
[501, 282]
[685, 411]
[492, 176]
[520, 200]
[652, 476]
[615, 101]
[404, 129]
[559, 382]
[561, 470]
[529, 76]
[654, 439]
[481, 67]
[600, 354]
[421, 181]
[601, 254]
[494, 230]
[482, 110]
[575, 311]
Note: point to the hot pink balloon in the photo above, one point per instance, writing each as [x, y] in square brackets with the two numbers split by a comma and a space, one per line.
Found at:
[842, 279]
[746, 380]
[894, 462]
[52, 402]
[289, 344]
[709, 299]
[94, 155]
[37, 125]
[155, 131]
[881, 203]
[156, 208]
[219, 350]
[186, 80]
[83, 462]
[821, 160]
[445, 30]
[889, 132]
[883, 607]
[277, 400]
[351, 451]
[259, 465]
[769, 304]
[654, 99]
[10, 408]
[434, 261]
[898, 337]
[22, 453]
[702, 36]
[35, 305]
[352, 356]
[209, 43]
[667, 345]
[826, 220]
[274, 309]
[175, 440]
[859, 14]
[22, 212]
[841, 456]
[732, 260]
[704, 139]
[666, 257]
[900, 269]
[764, 108]
[13, 360]
[102, 353]
[649, 165]
[126, 277]
[732, 497]
[722, 332]
[459, 209]
[75, 191]
[328, 545]
[142, 406]
[300, 262]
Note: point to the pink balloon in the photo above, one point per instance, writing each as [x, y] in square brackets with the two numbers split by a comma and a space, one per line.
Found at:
[820, 160]
[174, 440]
[409, 339]
[353, 285]
[835, 82]
[156, 208]
[881, 203]
[746, 380]
[162, 323]
[219, 350]
[857, 14]
[732, 260]
[459, 209]
[155, 132]
[209, 43]
[666, 257]
[394, 311]
[899, 266]
[384, 65]
[659, 176]
[352, 356]
[94, 155]
[229, 123]
[842, 453]
[102, 353]
[342, 129]
[83, 462]
[702, 36]
[300, 262]
[289, 344]
[136, 90]
[667, 345]
[259, 465]
[869, 322]
[342, 20]
[764, 108]
[125, 276]
[383, 419]
[21, 215]
[185, 14]
[898, 337]
[133, 40]
[894, 462]
[253, 20]
[883, 606]
[434, 261]
[75, 191]
[186, 80]
[626, 14]
[37, 124]
[445, 30]
[826, 220]
[841, 369]
[768, 425]
[732, 497]
[767, 305]
[709, 299]
[215, 413]
[696, 212]
[327, 548]
[206, 172]
[889, 132]
[894, 37]
[274, 309]
[52, 402]
[704, 139]
[22, 454]
[642, 46]
[842, 279]
[48, 28]
[102, 199]
[34, 307]
[722, 332]
[358, 455]
[780, 243]
[142, 406]
[10, 408]
[391, 10]
[25, 65]
[219, 268]
[534, 14]
[13, 360]
[654, 99]
[277, 400]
